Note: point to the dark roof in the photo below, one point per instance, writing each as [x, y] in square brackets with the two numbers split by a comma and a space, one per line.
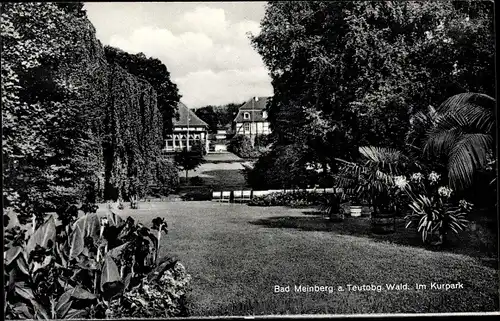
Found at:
[255, 108]
[252, 104]
[184, 111]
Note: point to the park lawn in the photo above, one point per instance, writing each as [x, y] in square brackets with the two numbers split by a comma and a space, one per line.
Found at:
[235, 265]
[218, 175]
[479, 241]
[221, 179]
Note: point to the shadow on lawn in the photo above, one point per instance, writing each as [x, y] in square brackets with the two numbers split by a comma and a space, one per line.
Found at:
[480, 243]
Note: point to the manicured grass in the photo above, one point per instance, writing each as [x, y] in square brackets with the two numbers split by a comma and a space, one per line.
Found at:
[220, 179]
[480, 241]
[219, 175]
[221, 157]
[236, 262]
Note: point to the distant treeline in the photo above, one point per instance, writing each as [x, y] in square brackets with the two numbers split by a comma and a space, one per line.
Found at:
[218, 116]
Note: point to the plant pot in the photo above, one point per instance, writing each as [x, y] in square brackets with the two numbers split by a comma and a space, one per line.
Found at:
[356, 210]
[366, 211]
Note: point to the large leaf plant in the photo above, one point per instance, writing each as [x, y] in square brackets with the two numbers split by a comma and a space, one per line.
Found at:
[79, 269]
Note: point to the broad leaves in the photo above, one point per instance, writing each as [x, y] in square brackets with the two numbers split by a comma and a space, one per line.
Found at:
[115, 219]
[89, 224]
[24, 291]
[63, 304]
[11, 254]
[77, 243]
[111, 282]
[45, 233]
[22, 310]
[115, 253]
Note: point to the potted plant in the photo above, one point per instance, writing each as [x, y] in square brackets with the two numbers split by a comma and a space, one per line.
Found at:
[372, 179]
[331, 207]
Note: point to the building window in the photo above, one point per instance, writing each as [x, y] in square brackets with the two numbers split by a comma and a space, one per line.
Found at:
[246, 115]
[246, 127]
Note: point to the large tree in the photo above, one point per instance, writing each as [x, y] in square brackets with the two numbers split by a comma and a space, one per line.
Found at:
[49, 127]
[347, 74]
[208, 115]
[156, 73]
[72, 122]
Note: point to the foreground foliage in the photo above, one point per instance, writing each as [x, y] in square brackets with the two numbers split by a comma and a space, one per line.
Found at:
[99, 266]
[434, 209]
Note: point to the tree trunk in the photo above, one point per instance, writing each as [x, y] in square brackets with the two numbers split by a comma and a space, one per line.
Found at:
[187, 171]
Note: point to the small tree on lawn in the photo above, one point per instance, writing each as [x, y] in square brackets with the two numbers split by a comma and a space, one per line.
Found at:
[188, 160]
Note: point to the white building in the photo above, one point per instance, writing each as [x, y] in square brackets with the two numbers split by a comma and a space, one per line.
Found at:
[251, 119]
[187, 130]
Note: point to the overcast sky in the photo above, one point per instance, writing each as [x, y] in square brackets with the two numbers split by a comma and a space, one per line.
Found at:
[203, 44]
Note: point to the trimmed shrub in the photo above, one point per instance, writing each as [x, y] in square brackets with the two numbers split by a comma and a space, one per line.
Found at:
[241, 145]
[196, 181]
[198, 195]
[167, 176]
[262, 140]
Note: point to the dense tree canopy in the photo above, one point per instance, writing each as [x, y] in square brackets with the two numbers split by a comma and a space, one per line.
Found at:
[218, 116]
[209, 116]
[157, 74]
[349, 74]
[48, 138]
[75, 127]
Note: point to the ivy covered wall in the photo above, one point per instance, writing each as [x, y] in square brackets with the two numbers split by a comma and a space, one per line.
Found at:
[76, 127]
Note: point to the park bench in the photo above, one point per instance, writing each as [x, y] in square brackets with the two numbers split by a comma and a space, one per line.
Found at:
[238, 196]
[226, 196]
[216, 196]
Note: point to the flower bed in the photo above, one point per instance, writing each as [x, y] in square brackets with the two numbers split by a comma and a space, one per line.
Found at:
[294, 199]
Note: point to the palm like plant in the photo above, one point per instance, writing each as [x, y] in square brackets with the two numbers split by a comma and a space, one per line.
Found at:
[374, 177]
[464, 131]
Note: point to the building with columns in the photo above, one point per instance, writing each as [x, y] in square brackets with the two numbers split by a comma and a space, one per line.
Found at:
[251, 119]
[187, 130]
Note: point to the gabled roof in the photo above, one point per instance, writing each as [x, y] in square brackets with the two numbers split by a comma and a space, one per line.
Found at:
[255, 108]
[256, 103]
[184, 111]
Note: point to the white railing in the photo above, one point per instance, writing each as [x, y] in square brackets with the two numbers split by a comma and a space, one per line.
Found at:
[247, 195]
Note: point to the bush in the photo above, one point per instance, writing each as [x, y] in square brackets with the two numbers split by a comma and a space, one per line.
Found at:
[262, 140]
[199, 195]
[94, 267]
[285, 166]
[293, 199]
[196, 181]
[167, 176]
[241, 145]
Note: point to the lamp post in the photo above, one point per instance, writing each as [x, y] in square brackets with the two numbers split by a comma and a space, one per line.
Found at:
[188, 118]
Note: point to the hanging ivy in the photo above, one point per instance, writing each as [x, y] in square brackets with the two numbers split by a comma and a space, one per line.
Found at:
[75, 127]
